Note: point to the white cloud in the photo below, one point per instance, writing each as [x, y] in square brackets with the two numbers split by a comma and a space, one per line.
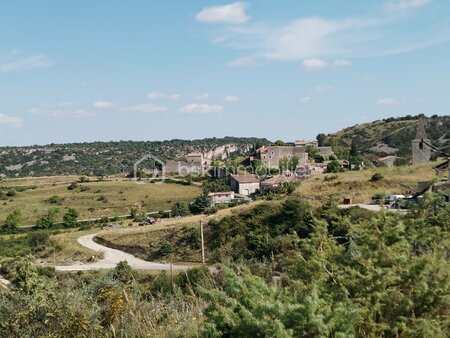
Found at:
[322, 89]
[203, 96]
[195, 108]
[233, 13]
[341, 63]
[305, 99]
[245, 61]
[330, 39]
[26, 63]
[103, 104]
[404, 5]
[154, 95]
[145, 108]
[53, 111]
[12, 121]
[231, 98]
[387, 102]
[175, 97]
[314, 64]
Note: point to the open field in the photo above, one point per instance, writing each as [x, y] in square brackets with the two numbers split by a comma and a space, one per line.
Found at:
[68, 249]
[91, 199]
[359, 187]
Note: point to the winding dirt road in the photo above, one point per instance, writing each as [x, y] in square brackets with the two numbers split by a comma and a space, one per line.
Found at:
[112, 257]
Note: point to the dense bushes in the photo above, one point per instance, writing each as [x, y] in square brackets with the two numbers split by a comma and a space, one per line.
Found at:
[289, 270]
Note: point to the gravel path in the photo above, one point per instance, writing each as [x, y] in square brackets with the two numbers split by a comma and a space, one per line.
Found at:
[372, 207]
[112, 257]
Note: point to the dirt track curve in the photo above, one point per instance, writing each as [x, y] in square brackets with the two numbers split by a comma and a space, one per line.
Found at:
[113, 256]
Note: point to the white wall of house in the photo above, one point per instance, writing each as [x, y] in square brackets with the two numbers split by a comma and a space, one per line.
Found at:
[226, 197]
[247, 189]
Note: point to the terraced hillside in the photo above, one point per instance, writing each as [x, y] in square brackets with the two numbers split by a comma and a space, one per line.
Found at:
[394, 135]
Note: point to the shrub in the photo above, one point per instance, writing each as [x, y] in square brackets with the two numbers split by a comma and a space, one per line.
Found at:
[334, 167]
[70, 218]
[13, 219]
[11, 192]
[55, 200]
[376, 177]
[48, 220]
[72, 186]
[210, 210]
[180, 209]
[103, 199]
[38, 239]
[122, 272]
[84, 188]
[165, 249]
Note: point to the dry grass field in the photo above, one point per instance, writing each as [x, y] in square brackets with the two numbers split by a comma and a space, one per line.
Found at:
[111, 197]
[69, 250]
[359, 187]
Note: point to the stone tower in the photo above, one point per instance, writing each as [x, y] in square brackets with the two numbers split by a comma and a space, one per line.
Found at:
[421, 152]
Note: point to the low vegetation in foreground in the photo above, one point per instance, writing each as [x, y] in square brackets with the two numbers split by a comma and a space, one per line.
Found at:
[281, 270]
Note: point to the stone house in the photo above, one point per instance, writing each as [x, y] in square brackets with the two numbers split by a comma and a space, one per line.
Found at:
[303, 143]
[326, 151]
[317, 168]
[221, 197]
[244, 184]
[272, 155]
[388, 161]
[195, 163]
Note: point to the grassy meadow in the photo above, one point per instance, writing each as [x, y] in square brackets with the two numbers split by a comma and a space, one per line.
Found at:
[94, 199]
[358, 186]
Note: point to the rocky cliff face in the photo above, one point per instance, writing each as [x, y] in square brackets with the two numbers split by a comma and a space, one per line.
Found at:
[224, 151]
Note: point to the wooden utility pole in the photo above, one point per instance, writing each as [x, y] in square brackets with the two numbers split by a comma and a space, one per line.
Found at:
[203, 242]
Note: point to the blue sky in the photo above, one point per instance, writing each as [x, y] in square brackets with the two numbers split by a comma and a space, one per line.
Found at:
[74, 71]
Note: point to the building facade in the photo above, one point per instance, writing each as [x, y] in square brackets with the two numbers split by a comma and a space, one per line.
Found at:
[272, 155]
[421, 151]
[244, 184]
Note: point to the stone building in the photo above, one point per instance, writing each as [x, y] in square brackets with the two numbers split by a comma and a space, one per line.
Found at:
[325, 151]
[421, 151]
[221, 197]
[272, 155]
[388, 161]
[244, 184]
[194, 164]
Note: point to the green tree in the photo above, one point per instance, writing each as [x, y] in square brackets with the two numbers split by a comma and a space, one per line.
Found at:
[48, 220]
[321, 139]
[70, 217]
[180, 209]
[13, 219]
[279, 143]
[287, 163]
[202, 203]
[334, 167]
[258, 144]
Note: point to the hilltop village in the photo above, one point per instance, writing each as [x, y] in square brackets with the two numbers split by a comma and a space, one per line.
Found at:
[281, 164]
